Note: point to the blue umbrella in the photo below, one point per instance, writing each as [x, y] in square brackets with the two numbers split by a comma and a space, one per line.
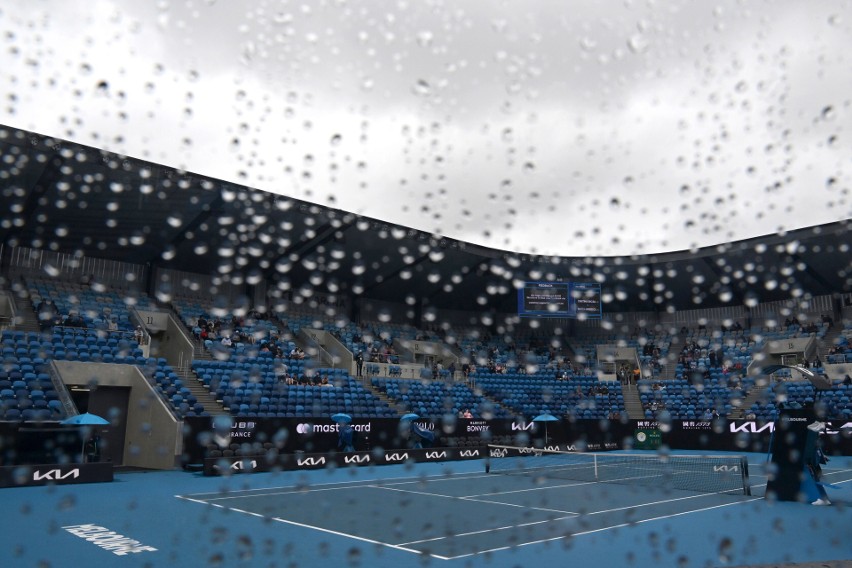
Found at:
[545, 418]
[410, 416]
[341, 418]
[85, 419]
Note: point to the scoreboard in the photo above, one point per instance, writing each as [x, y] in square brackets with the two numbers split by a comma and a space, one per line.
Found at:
[560, 300]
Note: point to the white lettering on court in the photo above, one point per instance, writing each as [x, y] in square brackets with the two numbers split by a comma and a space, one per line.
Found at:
[109, 540]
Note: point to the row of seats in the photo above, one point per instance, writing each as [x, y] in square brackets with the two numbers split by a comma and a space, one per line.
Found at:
[580, 397]
[435, 399]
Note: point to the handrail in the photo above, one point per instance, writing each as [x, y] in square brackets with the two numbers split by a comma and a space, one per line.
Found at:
[61, 390]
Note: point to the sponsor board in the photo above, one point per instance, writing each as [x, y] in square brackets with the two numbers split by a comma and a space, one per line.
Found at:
[726, 469]
[751, 427]
[284, 462]
[238, 466]
[312, 461]
[55, 474]
[396, 457]
[436, 455]
[306, 428]
[697, 425]
[522, 426]
[647, 439]
[357, 459]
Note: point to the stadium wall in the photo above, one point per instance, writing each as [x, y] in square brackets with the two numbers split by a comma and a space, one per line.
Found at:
[145, 445]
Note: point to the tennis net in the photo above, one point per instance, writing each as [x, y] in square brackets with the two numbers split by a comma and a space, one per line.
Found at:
[699, 473]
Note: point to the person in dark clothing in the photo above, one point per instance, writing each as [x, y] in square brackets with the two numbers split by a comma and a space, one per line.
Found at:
[92, 449]
[359, 364]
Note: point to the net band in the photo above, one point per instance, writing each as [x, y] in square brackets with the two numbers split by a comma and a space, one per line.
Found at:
[703, 474]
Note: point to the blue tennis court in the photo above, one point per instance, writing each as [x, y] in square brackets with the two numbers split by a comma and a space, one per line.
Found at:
[457, 516]
[450, 514]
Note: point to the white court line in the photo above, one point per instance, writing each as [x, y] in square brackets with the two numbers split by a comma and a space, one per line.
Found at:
[421, 479]
[294, 491]
[458, 498]
[340, 485]
[545, 509]
[487, 530]
[321, 529]
[357, 482]
[354, 537]
[601, 529]
[577, 484]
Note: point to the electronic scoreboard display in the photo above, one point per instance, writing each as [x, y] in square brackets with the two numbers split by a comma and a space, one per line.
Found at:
[560, 300]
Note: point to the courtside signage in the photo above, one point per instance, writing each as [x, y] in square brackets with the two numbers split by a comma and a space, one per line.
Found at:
[108, 540]
[55, 474]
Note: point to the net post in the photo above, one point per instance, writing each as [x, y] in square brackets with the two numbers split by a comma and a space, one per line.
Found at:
[596, 467]
[744, 470]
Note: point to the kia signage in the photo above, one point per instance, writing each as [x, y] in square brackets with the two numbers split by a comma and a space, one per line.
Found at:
[288, 462]
[319, 436]
[55, 474]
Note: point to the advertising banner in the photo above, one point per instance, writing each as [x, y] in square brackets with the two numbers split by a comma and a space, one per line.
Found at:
[235, 436]
[54, 474]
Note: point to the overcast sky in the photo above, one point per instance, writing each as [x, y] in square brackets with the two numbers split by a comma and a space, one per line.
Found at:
[556, 127]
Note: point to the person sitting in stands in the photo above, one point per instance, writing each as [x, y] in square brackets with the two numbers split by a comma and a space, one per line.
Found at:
[467, 414]
[226, 341]
[325, 382]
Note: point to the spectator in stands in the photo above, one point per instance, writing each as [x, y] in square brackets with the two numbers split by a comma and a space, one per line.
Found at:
[467, 414]
[74, 320]
[359, 364]
[47, 314]
[847, 381]
[226, 341]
